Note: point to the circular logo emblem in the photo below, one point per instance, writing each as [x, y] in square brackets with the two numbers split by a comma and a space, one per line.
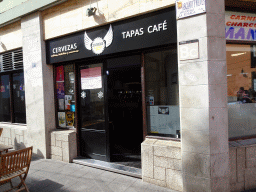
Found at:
[98, 45]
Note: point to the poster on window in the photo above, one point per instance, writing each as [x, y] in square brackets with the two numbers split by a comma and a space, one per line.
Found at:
[91, 78]
[68, 99]
[2, 88]
[62, 119]
[60, 74]
[70, 118]
[61, 104]
[60, 90]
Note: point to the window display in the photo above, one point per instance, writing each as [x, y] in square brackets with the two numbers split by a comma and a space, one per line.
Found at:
[162, 93]
[65, 81]
[241, 78]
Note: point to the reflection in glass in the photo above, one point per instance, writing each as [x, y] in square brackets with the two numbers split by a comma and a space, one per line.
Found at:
[92, 97]
[19, 107]
[241, 87]
[162, 93]
[5, 115]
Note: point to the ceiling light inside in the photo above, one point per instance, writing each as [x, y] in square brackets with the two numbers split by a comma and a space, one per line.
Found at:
[237, 54]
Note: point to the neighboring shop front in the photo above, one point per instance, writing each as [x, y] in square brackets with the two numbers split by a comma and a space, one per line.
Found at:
[117, 84]
[241, 73]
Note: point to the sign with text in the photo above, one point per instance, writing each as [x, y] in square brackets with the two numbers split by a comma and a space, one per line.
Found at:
[186, 8]
[189, 49]
[240, 26]
[153, 29]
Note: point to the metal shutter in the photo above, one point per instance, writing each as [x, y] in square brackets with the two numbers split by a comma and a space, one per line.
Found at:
[12, 60]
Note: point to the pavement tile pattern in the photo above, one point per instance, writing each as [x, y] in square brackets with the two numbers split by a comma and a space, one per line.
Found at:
[56, 176]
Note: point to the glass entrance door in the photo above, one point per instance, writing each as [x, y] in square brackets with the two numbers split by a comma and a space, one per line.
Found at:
[92, 112]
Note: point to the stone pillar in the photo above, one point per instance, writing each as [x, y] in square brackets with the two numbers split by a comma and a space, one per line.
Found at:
[39, 88]
[203, 102]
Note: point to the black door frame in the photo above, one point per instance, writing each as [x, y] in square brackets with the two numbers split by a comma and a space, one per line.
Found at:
[80, 65]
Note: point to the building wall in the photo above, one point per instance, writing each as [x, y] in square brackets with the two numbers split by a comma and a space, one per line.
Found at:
[71, 16]
[161, 163]
[10, 37]
[242, 165]
[14, 135]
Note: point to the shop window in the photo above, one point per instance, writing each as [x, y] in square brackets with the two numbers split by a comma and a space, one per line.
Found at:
[162, 93]
[12, 90]
[65, 99]
[241, 83]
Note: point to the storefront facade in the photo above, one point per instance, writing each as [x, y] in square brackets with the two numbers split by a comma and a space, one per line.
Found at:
[136, 79]
[112, 69]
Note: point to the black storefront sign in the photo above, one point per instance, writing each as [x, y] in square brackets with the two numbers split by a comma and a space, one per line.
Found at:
[154, 29]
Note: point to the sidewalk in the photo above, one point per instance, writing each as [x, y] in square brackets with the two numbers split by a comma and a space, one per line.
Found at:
[55, 176]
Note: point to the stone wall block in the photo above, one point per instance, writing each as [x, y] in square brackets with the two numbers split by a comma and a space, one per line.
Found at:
[189, 100]
[160, 151]
[53, 139]
[220, 184]
[232, 158]
[160, 161]
[6, 141]
[174, 179]
[194, 119]
[217, 72]
[237, 187]
[250, 163]
[56, 157]
[9, 141]
[215, 6]
[250, 178]
[251, 152]
[147, 161]
[219, 165]
[13, 136]
[56, 151]
[159, 173]
[196, 28]
[65, 152]
[65, 137]
[175, 164]
[21, 138]
[232, 176]
[6, 133]
[192, 75]
[58, 136]
[174, 152]
[195, 164]
[196, 184]
[58, 144]
[154, 181]
[216, 54]
[65, 145]
[195, 141]
[218, 95]
[217, 30]
[240, 164]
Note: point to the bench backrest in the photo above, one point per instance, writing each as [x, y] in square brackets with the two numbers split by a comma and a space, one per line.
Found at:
[15, 161]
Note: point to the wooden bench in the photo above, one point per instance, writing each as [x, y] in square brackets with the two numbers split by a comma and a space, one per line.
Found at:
[15, 164]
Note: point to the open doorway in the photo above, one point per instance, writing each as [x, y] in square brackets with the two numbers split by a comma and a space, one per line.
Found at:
[125, 110]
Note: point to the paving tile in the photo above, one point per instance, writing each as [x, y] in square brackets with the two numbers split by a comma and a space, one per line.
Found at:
[55, 176]
[119, 187]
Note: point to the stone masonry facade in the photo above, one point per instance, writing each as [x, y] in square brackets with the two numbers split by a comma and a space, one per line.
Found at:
[15, 136]
[63, 145]
[161, 163]
[242, 162]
